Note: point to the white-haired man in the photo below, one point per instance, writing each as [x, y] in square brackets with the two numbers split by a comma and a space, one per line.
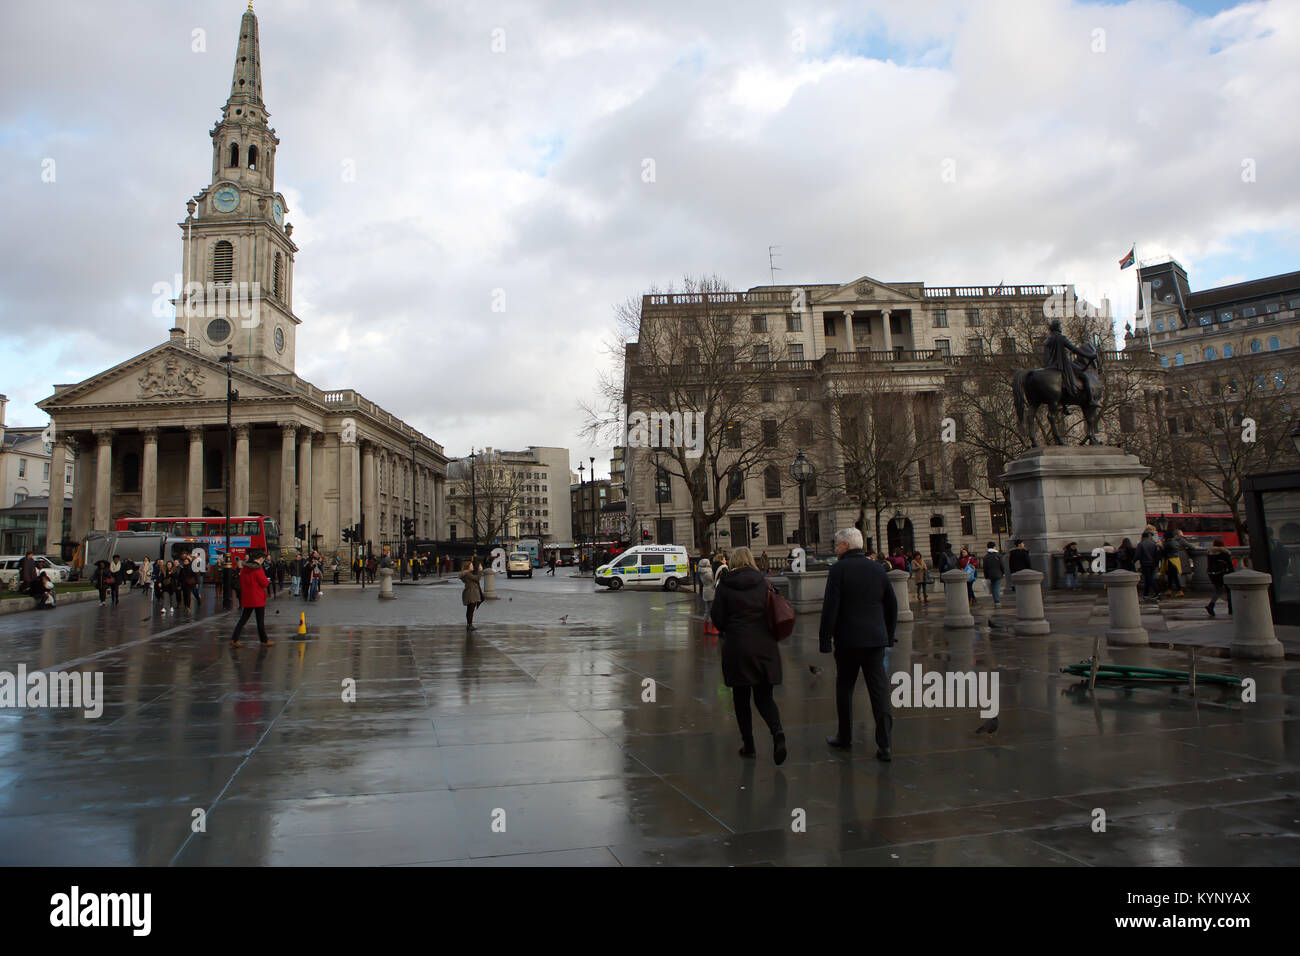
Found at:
[859, 615]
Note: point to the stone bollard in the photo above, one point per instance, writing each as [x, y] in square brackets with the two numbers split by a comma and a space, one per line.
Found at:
[957, 608]
[899, 581]
[1253, 637]
[490, 585]
[1122, 601]
[1201, 570]
[386, 584]
[1029, 602]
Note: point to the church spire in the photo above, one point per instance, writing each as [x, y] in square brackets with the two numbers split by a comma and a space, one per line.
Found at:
[246, 84]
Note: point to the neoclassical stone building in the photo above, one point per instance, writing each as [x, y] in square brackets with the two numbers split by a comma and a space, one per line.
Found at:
[150, 433]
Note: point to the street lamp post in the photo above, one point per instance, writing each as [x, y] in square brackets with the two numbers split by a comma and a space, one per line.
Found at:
[592, 474]
[228, 360]
[410, 550]
[659, 498]
[801, 469]
[582, 487]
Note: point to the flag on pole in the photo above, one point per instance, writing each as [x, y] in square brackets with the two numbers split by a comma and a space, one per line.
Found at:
[1129, 259]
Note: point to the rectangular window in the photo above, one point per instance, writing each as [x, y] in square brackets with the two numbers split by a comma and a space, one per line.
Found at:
[998, 515]
[794, 323]
[941, 319]
[801, 393]
[772, 482]
[769, 432]
[805, 432]
[735, 487]
[692, 355]
[758, 323]
[663, 487]
[796, 352]
[47, 471]
[1008, 345]
[733, 435]
[974, 345]
[943, 346]
[968, 519]
[22, 467]
[973, 318]
[767, 395]
[762, 353]
[828, 324]
[67, 475]
[776, 529]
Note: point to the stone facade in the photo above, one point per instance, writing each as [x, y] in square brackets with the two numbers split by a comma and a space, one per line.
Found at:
[150, 435]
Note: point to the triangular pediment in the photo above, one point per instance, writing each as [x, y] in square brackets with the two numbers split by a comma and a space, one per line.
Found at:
[167, 374]
[866, 289]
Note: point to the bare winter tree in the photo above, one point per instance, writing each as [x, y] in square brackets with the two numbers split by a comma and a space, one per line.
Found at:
[693, 367]
[489, 492]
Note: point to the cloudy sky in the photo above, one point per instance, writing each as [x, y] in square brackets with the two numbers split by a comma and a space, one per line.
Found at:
[504, 146]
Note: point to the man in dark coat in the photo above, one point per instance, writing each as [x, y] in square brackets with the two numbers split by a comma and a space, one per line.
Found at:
[859, 615]
[1148, 555]
[29, 574]
[993, 573]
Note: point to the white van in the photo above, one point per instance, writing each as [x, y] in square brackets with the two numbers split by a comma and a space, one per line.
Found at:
[647, 565]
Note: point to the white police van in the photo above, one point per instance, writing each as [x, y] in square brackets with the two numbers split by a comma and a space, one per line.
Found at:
[647, 565]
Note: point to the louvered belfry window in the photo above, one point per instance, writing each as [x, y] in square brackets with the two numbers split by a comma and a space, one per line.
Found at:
[223, 262]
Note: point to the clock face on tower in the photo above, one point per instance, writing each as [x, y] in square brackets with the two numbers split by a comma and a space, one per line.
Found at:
[277, 212]
[225, 199]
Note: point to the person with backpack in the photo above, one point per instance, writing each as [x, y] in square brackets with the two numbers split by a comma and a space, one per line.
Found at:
[751, 656]
[1219, 564]
[858, 620]
[966, 561]
[993, 573]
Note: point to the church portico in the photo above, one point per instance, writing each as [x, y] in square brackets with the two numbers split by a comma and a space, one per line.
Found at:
[151, 435]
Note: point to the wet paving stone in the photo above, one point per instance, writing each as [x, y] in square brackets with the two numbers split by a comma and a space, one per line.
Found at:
[391, 736]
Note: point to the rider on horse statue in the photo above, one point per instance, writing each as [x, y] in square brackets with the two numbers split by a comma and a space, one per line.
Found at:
[1057, 353]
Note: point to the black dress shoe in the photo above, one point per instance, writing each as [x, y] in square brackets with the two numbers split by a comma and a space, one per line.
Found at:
[884, 756]
[835, 742]
[778, 748]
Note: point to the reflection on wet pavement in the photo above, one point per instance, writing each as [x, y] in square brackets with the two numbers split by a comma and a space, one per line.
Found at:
[536, 741]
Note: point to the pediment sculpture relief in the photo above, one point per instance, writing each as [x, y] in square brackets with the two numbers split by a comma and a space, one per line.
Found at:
[174, 381]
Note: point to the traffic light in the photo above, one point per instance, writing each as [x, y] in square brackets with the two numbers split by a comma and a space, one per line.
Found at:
[349, 534]
[645, 534]
[408, 527]
[753, 530]
[302, 532]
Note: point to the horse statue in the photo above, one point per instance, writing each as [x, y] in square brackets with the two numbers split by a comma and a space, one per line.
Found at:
[1034, 388]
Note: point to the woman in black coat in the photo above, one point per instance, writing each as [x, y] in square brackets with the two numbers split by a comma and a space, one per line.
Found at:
[751, 658]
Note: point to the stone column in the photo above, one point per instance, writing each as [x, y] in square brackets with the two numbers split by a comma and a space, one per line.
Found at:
[316, 478]
[439, 508]
[898, 579]
[149, 473]
[889, 336]
[240, 504]
[848, 329]
[54, 512]
[101, 520]
[83, 488]
[1253, 637]
[194, 474]
[1125, 615]
[957, 608]
[369, 493]
[1030, 619]
[288, 478]
[909, 423]
[305, 514]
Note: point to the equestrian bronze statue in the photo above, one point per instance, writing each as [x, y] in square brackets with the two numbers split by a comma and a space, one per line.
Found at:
[1070, 378]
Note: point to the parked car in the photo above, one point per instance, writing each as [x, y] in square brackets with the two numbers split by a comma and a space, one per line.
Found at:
[9, 569]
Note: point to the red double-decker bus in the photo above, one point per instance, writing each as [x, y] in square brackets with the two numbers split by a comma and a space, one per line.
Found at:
[1200, 528]
[254, 532]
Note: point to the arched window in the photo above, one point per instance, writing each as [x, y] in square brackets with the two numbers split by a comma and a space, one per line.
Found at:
[1227, 351]
[1178, 359]
[1164, 361]
[223, 261]
[130, 473]
[1160, 325]
[234, 156]
[214, 471]
[1210, 354]
[275, 276]
[1255, 346]
[960, 473]
[252, 157]
[1274, 343]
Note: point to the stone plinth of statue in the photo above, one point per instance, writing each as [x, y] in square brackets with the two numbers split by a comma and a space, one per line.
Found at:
[1090, 494]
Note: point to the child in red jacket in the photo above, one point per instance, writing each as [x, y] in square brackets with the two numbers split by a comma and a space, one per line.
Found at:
[253, 584]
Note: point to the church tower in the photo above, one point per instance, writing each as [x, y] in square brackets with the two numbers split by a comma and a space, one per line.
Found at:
[237, 270]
